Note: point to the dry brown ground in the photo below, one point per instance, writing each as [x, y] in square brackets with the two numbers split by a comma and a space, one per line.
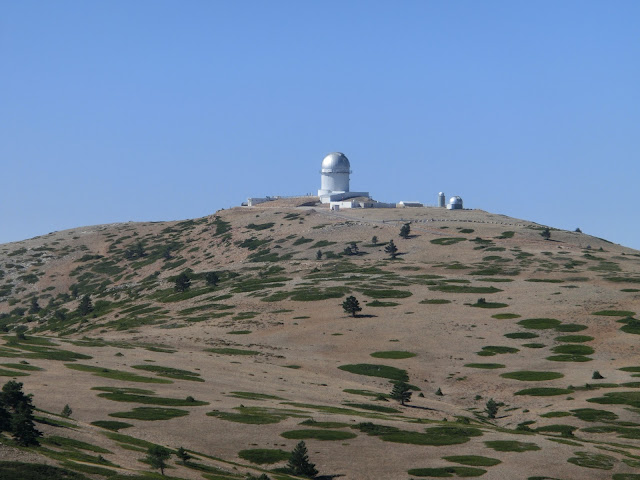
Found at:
[444, 337]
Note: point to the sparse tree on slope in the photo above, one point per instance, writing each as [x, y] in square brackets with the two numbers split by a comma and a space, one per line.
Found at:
[183, 455]
[405, 231]
[183, 282]
[401, 392]
[491, 408]
[86, 306]
[546, 233]
[299, 463]
[157, 457]
[211, 278]
[391, 249]
[351, 305]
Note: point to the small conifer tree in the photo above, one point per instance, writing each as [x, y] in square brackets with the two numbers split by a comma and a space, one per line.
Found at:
[319, 255]
[299, 463]
[86, 306]
[157, 457]
[546, 233]
[405, 231]
[401, 392]
[183, 282]
[391, 249]
[183, 455]
[491, 408]
[66, 411]
[351, 305]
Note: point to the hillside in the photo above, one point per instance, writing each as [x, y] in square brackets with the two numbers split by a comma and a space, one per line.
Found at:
[266, 355]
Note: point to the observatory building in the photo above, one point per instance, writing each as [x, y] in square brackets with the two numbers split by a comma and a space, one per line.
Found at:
[455, 203]
[334, 179]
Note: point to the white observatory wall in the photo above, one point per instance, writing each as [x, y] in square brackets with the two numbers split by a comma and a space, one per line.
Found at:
[335, 182]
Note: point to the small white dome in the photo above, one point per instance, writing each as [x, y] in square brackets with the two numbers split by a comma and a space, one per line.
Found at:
[336, 162]
[455, 201]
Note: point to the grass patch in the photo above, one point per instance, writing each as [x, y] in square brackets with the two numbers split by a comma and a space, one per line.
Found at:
[496, 349]
[260, 226]
[373, 408]
[573, 349]
[592, 460]
[447, 240]
[151, 413]
[170, 372]
[464, 289]
[111, 425]
[569, 358]
[435, 301]
[36, 471]
[473, 460]
[573, 338]
[115, 374]
[261, 456]
[371, 370]
[318, 435]
[255, 415]
[12, 373]
[254, 396]
[521, 335]
[486, 366]
[378, 303]
[544, 280]
[594, 415]
[505, 316]
[614, 313]
[22, 366]
[618, 398]
[447, 472]
[539, 323]
[239, 332]
[544, 391]
[511, 446]
[555, 414]
[489, 305]
[534, 345]
[312, 423]
[231, 351]
[121, 396]
[532, 376]
[570, 328]
[389, 293]
[436, 436]
[393, 354]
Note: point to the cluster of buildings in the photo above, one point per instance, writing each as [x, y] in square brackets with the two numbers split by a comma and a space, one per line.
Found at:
[334, 189]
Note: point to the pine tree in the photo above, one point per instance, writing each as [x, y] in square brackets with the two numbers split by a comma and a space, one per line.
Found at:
[35, 306]
[319, 255]
[391, 249]
[491, 408]
[183, 282]
[405, 231]
[401, 392]
[66, 411]
[183, 455]
[157, 457]
[546, 233]
[86, 306]
[351, 305]
[374, 240]
[22, 427]
[211, 278]
[299, 463]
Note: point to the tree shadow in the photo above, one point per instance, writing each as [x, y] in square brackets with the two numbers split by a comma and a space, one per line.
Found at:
[421, 408]
[366, 315]
[329, 477]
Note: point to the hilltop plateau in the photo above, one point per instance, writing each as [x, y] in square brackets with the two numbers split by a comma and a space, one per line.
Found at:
[254, 352]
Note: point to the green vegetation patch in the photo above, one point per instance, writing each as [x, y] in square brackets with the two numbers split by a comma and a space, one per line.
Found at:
[505, 316]
[614, 313]
[393, 354]
[151, 413]
[496, 349]
[12, 373]
[450, 471]
[569, 358]
[260, 226]
[487, 366]
[464, 289]
[618, 398]
[534, 345]
[239, 332]
[254, 396]
[36, 471]
[544, 391]
[121, 396]
[574, 338]
[112, 425]
[318, 435]
[570, 327]
[555, 414]
[436, 436]
[511, 446]
[115, 374]
[378, 303]
[388, 293]
[435, 301]
[22, 366]
[539, 323]
[521, 335]
[263, 456]
[374, 408]
[313, 423]
[372, 370]
[544, 280]
[255, 415]
[486, 304]
[231, 351]
[473, 460]
[447, 240]
[594, 415]
[573, 349]
[593, 460]
[532, 376]
[170, 372]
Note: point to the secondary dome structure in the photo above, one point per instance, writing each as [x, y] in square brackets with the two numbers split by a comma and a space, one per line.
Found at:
[334, 179]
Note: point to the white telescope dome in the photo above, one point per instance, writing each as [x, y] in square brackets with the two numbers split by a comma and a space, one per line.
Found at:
[336, 162]
[455, 200]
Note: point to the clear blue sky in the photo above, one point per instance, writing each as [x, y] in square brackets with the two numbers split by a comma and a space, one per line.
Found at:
[159, 110]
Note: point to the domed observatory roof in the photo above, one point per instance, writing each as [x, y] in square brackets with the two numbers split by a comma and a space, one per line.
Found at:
[455, 203]
[336, 162]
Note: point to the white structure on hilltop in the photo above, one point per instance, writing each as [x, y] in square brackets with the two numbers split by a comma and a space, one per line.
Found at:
[334, 179]
[441, 200]
[455, 203]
